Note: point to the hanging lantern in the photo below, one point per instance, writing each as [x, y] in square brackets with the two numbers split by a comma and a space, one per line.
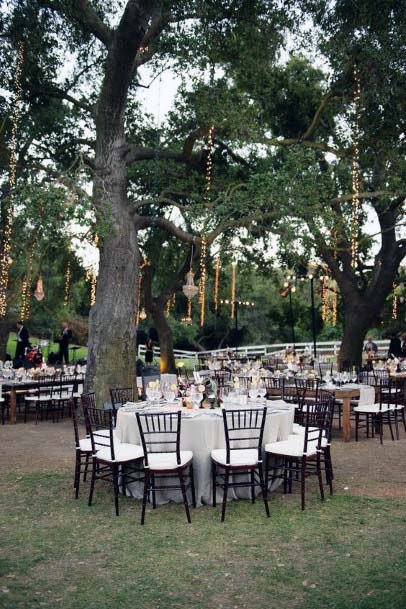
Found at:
[39, 293]
[143, 313]
[190, 289]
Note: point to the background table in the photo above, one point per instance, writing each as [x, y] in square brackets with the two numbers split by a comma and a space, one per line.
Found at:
[201, 432]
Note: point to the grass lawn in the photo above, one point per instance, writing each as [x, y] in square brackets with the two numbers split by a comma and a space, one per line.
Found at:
[346, 553]
[11, 348]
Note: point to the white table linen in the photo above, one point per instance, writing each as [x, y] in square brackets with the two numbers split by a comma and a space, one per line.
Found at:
[201, 432]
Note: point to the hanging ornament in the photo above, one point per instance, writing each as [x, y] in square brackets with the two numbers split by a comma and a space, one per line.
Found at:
[202, 282]
[143, 314]
[356, 180]
[39, 290]
[7, 216]
[233, 286]
[216, 284]
[67, 285]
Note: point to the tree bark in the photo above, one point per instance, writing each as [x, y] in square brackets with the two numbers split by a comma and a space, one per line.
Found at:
[5, 326]
[357, 323]
[112, 334]
[167, 362]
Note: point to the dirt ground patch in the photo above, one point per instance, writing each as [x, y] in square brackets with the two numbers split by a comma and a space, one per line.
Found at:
[362, 468]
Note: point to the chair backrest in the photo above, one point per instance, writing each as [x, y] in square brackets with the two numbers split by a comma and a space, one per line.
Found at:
[75, 421]
[291, 395]
[121, 395]
[244, 428]
[222, 377]
[325, 369]
[381, 377]
[367, 378]
[97, 422]
[160, 433]
[317, 422]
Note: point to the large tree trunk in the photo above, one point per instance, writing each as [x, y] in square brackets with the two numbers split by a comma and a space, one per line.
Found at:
[165, 337]
[5, 326]
[356, 325]
[112, 333]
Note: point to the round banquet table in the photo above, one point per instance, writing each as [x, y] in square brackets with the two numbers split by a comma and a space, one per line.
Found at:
[201, 432]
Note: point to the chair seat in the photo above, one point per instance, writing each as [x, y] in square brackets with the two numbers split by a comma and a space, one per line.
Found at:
[248, 456]
[164, 461]
[122, 453]
[85, 445]
[36, 398]
[293, 447]
[372, 408]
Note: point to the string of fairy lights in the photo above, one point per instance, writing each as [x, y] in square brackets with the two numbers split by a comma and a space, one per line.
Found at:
[233, 288]
[67, 284]
[8, 216]
[394, 302]
[216, 284]
[25, 308]
[356, 179]
[202, 282]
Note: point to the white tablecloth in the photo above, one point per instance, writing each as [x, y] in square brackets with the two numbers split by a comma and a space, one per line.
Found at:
[366, 392]
[201, 432]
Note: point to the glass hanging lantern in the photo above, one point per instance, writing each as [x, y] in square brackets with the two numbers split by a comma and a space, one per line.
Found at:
[143, 313]
[39, 293]
[190, 289]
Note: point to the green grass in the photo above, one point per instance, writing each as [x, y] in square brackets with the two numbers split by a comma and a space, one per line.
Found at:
[11, 347]
[345, 553]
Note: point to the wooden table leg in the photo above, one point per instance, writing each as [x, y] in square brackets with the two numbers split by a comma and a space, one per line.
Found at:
[13, 406]
[346, 419]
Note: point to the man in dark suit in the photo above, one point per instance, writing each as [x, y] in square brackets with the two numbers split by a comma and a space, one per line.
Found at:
[23, 340]
[64, 341]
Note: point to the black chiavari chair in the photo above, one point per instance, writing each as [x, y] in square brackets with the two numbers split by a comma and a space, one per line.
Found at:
[160, 435]
[110, 458]
[244, 431]
[120, 396]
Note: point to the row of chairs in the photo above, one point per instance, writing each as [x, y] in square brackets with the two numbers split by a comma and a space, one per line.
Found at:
[158, 458]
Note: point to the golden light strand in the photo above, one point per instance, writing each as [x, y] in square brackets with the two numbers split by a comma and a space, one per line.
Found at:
[356, 180]
[216, 284]
[9, 208]
[209, 165]
[394, 303]
[168, 307]
[26, 287]
[202, 282]
[67, 285]
[324, 297]
[335, 304]
[233, 287]
[137, 315]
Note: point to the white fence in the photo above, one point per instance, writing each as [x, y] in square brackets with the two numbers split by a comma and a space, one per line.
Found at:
[324, 348]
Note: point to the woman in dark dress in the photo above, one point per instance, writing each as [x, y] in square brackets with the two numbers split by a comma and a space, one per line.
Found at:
[395, 347]
[149, 352]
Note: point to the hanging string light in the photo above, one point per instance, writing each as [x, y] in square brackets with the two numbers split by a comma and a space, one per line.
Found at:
[67, 285]
[356, 180]
[233, 287]
[138, 312]
[394, 302]
[202, 282]
[216, 284]
[170, 304]
[324, 297]
[26, 287]
[9, 208]
[334, 308]
[209, 164]
[39, 290]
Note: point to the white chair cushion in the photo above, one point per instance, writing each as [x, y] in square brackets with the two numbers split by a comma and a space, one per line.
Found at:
[300, 429]
[36, 398]
[292, 447]
[161, 461]
[122, 452]
[396, 406]
[371, 408]
[247, 456]
[85, 445]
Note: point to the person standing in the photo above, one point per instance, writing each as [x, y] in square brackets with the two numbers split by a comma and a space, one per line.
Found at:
[149, 351]
[23, 340]
[395, 346]
[64, 341]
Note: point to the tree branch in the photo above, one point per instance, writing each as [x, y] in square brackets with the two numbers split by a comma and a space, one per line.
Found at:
[87, 16]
